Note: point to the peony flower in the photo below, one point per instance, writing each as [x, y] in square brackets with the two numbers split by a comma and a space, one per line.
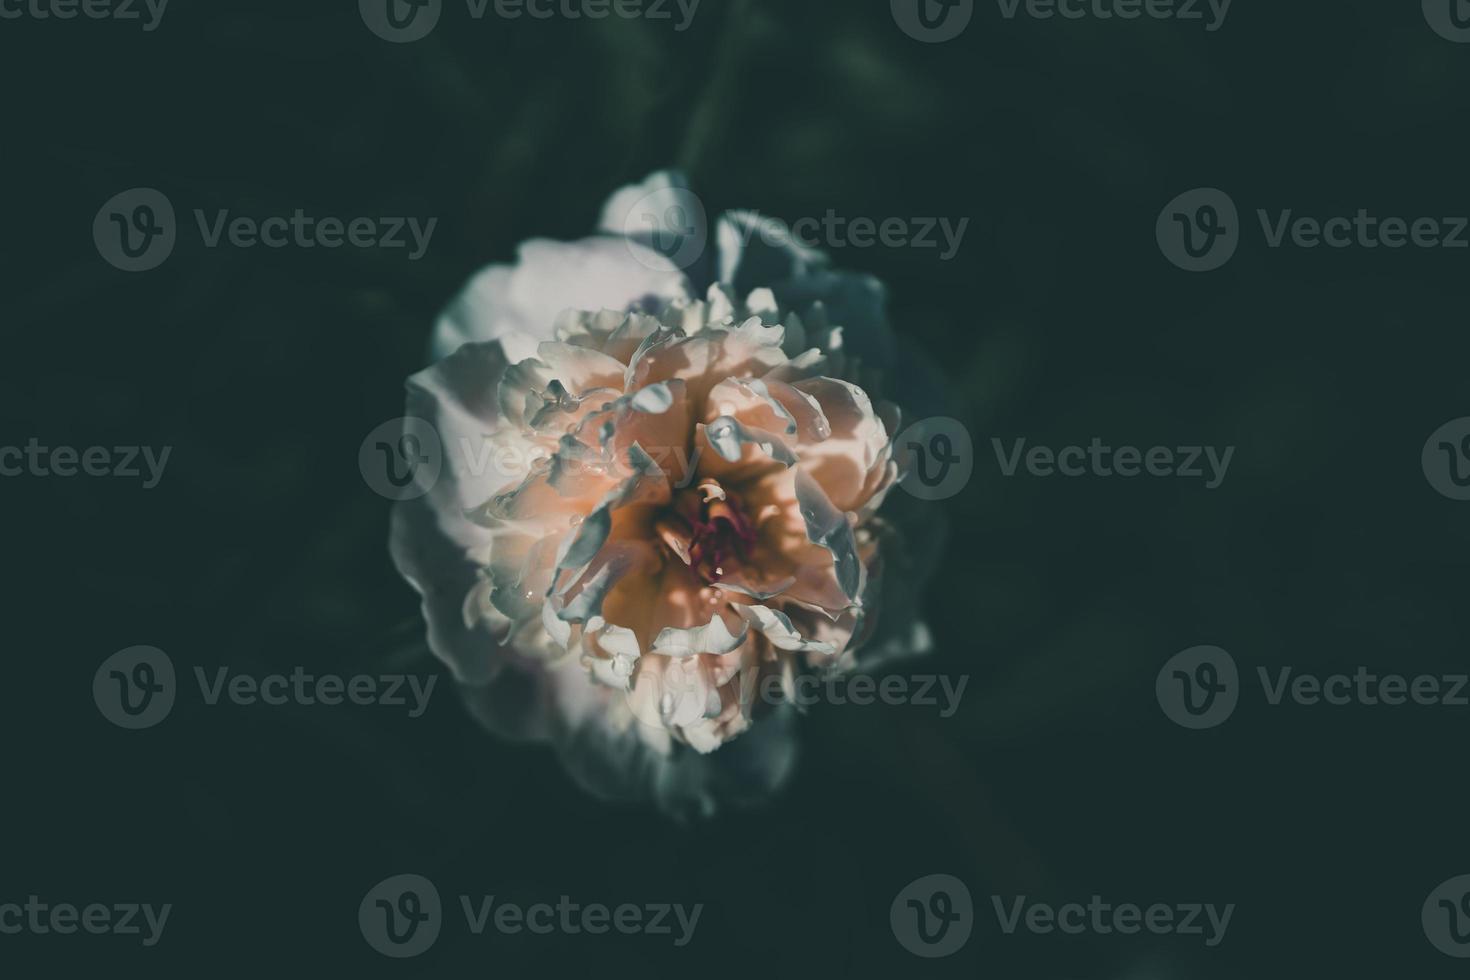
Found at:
[660, 500]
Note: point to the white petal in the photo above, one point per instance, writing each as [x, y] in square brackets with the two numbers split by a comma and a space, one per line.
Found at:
[431, 540]
[518, 305]
[777, 628]
[713, 637]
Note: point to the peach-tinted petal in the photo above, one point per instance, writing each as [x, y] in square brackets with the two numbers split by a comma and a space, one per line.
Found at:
[844, 463]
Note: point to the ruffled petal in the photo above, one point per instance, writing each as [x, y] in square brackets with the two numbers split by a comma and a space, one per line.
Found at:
[519, 305]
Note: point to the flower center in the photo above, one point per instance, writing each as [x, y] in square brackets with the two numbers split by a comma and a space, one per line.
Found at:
[707, 528]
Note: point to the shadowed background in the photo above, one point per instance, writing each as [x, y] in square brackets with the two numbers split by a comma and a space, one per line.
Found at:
[1059, 320]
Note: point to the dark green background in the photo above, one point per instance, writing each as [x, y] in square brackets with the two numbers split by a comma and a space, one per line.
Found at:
[1058, 321]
